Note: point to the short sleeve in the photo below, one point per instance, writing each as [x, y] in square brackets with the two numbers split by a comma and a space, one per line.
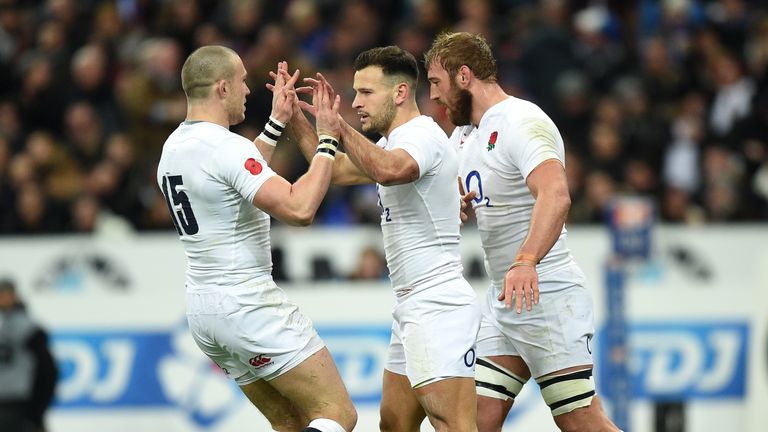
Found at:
[423, 145]
[241, 166]
[529, 142]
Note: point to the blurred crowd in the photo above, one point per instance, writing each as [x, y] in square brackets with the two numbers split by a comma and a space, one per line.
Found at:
[665, 98]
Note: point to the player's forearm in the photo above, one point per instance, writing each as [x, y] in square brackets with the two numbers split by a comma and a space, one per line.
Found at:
[302, 132]
[307, 192]
[378, 164]
[547, 220]
[344, 171]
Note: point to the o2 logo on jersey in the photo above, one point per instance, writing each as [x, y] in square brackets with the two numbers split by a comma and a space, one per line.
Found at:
[689, 360]
[473, 179]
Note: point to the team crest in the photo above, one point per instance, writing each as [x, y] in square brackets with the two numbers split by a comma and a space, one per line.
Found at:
[492, 141]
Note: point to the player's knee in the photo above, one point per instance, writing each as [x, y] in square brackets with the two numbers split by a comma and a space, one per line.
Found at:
[393, 421]
[285, 420]
[342, 412]
[495, 381]
[568, 392]
[347, 417]
[387, 424]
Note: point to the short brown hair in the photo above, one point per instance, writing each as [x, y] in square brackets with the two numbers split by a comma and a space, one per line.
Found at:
[393, 61]
[452, 50]
[204, 67]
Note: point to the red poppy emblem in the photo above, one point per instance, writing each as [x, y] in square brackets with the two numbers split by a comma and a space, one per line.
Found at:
[253, 167]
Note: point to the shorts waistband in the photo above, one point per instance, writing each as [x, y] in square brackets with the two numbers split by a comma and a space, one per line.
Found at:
[233, 289]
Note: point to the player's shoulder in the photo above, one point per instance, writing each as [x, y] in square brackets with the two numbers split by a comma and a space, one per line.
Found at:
[206, 134]
[424, 127]
[420, 132]
[230, 143]
[512, 111]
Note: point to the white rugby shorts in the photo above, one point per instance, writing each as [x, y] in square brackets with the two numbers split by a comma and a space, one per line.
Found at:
[252, 332]
[434, 333]
[554, 335]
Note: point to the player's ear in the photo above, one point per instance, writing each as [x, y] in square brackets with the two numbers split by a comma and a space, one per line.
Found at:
[221, 88]
[464, 76]
[401, 93]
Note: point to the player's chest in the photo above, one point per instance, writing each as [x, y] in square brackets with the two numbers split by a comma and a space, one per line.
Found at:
[480, 164]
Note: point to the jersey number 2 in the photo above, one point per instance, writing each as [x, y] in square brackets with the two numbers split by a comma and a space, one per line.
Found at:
[385, 210]
[183, 219]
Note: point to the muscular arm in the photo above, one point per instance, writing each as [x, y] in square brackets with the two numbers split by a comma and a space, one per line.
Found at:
[344, 171]
[385, 167]
[297, 203]
[548, 184]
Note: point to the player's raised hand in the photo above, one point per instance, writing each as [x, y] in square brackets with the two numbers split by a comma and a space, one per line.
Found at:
[309, 89]
[521, 282]
[326, 104]
[283, 92]
[466, 202]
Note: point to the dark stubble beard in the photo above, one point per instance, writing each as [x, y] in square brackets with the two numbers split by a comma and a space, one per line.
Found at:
[461, 112]
[381, 123]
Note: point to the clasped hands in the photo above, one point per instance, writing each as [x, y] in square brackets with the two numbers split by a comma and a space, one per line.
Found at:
[286, 103]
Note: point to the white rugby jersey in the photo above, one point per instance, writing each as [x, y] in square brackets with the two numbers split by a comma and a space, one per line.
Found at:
[209, 177]
[420, 220]
[513, 138]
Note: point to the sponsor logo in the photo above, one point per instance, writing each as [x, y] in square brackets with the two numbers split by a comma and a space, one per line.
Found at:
[260, 361]
[252, 166]
[469, 358]
[114, 370]
[685, 360]
[74, 270]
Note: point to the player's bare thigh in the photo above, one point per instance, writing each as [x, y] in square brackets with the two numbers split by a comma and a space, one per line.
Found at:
[315, 387]
[399, 411]
[450, 403]
[282, 414]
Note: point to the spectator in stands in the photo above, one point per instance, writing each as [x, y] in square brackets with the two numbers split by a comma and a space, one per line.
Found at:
[123, 59]
[28, 372]
[370, 266]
